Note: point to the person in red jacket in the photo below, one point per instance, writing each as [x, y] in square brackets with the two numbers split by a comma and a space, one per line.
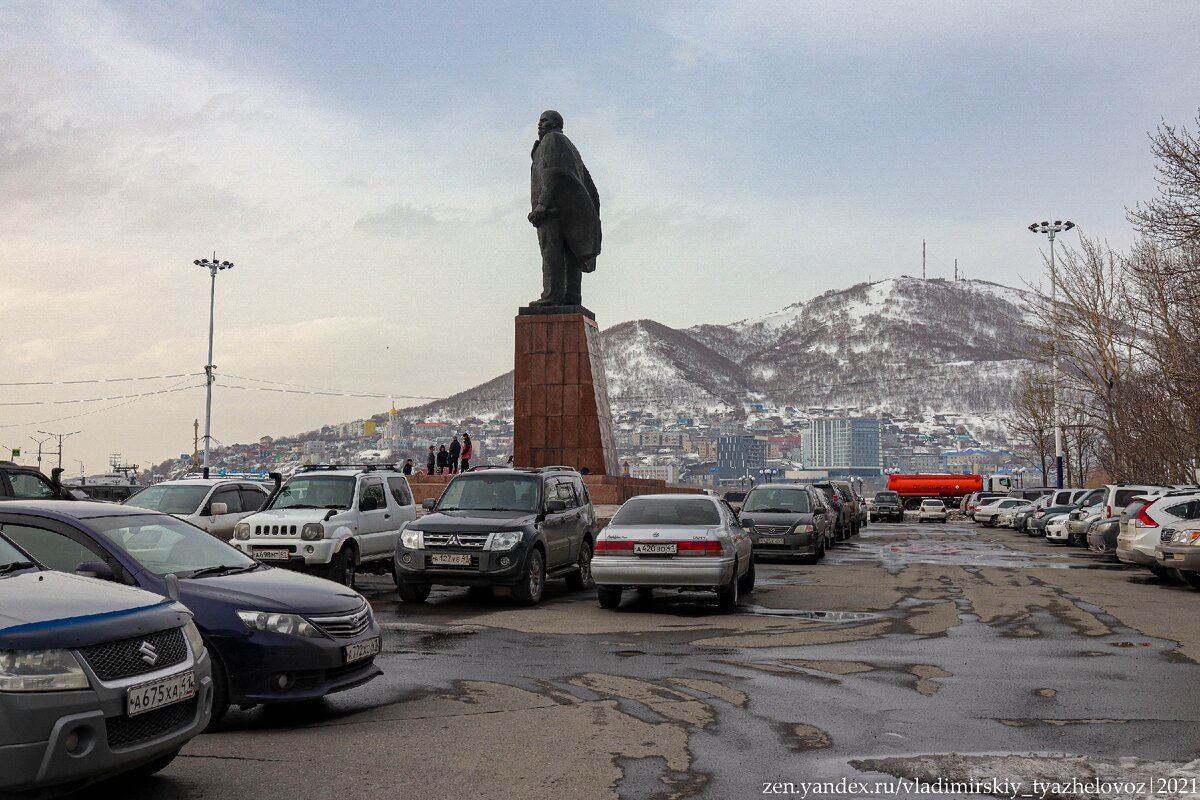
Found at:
[467, 453]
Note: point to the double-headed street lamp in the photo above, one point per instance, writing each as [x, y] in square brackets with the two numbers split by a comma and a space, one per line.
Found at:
[1050, 229]
[213, 268]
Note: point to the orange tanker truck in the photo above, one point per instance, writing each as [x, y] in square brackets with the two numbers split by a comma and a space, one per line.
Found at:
[914, 488]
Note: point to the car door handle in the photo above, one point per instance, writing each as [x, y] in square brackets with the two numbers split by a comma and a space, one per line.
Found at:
[387, 516]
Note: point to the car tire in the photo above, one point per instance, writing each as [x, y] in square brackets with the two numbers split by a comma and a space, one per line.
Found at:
[341, 568]
[578, 581]
[1192, 579]
[149, 768]
[1077, 539]
[1162, 573]
[821, 549]
[392, 571]
[528, 591]
[414, 592]
[220, 682]
[746, 582]
[727, 596]
[610, 596]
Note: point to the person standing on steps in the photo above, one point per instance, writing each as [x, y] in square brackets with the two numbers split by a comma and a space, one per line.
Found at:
[431, 461]
[408, 466]
[443, 460]
[455, 453]
[467, 452]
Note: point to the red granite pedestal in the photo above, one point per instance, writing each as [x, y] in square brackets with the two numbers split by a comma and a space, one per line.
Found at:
[561, 413]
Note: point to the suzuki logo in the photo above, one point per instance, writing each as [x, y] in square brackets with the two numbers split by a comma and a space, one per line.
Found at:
[149, 654]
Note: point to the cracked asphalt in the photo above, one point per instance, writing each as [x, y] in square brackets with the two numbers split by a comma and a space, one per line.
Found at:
[912, 651]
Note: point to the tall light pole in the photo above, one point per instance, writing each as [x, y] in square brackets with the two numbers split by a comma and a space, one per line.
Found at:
[1050, 229]
[213, 268]
[41, 442]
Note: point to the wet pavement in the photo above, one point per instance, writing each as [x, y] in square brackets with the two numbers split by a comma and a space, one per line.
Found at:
[911, 652]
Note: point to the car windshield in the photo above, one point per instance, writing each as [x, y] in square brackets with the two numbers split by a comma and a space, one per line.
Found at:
[163, 544]
[483, 492]
[886, 497]
[668, 511]
[170, 499]
[785, 501]
[316, 491]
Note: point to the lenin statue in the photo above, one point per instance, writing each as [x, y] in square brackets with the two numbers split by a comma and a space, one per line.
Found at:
[566, 213]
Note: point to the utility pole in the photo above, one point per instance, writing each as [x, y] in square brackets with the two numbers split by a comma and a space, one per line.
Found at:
[956, 270]
[39, 444]
[1050, 229]
[60, 437]
[922, 259]
[195, 442]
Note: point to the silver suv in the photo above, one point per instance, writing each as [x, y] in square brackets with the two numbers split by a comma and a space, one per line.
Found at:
[333, 519]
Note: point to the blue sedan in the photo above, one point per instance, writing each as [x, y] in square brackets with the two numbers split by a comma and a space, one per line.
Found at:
[277, 636]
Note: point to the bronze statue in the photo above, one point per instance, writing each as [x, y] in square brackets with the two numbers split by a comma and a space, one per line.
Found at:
[566, 213]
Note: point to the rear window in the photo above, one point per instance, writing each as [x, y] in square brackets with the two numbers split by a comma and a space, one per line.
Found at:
[667, 512]
[886, 496]
[1124, 497]
[932, 504]
[780, 500]
[170, 499]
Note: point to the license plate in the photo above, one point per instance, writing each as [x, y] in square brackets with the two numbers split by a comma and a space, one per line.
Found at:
[156, 694]
[1178, 557]
[265, 554]
[655, 548]
[451, 559]
[360, 650]
[771, 540]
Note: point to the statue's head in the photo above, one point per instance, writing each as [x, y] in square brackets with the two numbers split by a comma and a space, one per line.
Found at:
[549, 121]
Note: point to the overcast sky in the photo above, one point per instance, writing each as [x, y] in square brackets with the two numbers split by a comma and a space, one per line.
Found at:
[365, 165]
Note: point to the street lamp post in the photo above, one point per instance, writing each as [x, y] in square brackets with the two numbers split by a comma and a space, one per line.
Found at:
[60, 437]
[213, 268]
[40, 442]
[1050, 229]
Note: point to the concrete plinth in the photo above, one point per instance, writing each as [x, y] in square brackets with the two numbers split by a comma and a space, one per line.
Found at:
[561, 414]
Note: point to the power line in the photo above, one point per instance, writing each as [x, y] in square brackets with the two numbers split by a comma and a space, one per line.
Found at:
[133, 399]
[100, 380]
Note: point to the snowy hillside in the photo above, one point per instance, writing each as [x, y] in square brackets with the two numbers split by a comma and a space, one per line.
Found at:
[904, 345]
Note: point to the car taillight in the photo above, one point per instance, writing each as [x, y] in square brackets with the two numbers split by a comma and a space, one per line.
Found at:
[607, 548]
[707, 548]
[1107, 512]
[1144, 519]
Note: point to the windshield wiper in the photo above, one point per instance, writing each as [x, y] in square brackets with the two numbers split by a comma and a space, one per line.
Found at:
[223, 569]
[773, 511]
[16, 565]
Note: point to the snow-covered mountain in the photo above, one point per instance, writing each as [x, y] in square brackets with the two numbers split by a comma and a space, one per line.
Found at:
[902, 345]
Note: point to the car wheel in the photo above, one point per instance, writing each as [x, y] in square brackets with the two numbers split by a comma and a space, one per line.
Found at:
[414, 592]
[1077, 539]
[582, 579]
[220, 682]
[821, 549]
[746, 583]
[727, 596]
[150, 768]
[610, 596]
[392, 571]
[528, 592]
[1192, 579]
[341, 568]
[1162, 573]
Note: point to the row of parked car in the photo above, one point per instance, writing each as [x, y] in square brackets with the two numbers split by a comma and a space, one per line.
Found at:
[1149, 525]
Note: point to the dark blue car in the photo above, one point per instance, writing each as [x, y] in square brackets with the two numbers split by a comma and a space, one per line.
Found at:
[276, 636]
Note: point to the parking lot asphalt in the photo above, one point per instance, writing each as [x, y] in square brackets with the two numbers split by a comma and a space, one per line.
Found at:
[912, 652]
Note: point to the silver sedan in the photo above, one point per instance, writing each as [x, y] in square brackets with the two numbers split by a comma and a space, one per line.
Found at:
[688, 542]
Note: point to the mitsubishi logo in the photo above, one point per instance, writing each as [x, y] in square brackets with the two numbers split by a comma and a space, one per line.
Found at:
[453, 541]
[149, 654]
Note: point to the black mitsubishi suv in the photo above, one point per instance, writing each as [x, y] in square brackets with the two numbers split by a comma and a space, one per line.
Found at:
[496, 527]
[18, 482]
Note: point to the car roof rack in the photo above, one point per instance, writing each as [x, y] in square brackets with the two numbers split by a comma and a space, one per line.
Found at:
[333, 467]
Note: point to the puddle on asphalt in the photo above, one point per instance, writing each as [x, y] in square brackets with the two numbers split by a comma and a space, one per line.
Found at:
[815, 616]
[962, 552]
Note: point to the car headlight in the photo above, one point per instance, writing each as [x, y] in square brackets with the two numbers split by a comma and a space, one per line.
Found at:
[40, 671]
[241, 530]
[798, 528]
[312, 532]
[1187, 537]
[290, 624]
[505, 540]
[412, 539]
[193, 636]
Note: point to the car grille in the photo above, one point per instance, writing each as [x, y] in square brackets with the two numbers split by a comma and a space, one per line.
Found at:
[772, 529]
[344, 626]
[274, 530]
[1166, 535]
[430, 565]
[129, 731]
[463, 541]
[127, 657]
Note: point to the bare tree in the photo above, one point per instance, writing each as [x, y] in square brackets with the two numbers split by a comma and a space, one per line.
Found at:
[1031, 420]
[1174, 216]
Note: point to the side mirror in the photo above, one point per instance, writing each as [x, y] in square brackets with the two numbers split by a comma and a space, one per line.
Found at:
[368, 503]
[96, 569]
[428, 504]
[556, 506]
[218, 509]
[818, 511]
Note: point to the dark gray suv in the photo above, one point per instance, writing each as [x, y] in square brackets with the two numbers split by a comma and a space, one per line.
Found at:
[506, 528]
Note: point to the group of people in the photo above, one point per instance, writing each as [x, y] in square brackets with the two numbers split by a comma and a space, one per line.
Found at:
[446, 461]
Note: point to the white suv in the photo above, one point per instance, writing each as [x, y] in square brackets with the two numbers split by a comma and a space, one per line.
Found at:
[335, 519]
[1143, 523]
